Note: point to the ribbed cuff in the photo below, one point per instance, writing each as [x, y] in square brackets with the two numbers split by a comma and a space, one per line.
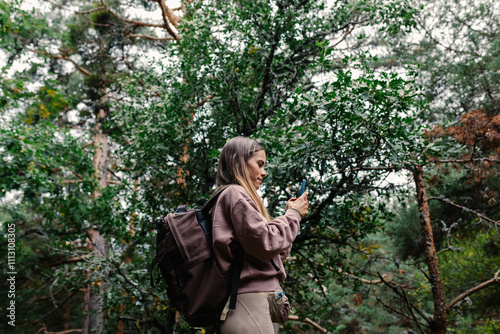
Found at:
[297, 211]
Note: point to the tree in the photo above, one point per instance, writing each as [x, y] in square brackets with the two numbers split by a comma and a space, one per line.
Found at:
[264, 85]
[458, 76]
[293, 74]
[59, 188]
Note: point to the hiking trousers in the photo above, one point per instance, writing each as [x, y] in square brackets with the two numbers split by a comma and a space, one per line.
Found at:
[251, 316]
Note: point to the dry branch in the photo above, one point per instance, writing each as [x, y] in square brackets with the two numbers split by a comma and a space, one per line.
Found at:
[79, 68]
[88, 144]
[151, 38]
[480, 215]
[84, 12]
[382, 168]
[347, 33]
[309, 322]
[44, 330]
[409, 305]
[133, 22]
[495, 279]
[71, 181]
[449, 48]
[461, 161]
[392, 309]
[363, 280]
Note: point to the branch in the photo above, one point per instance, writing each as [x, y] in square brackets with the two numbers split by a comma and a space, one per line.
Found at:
[76, 174]
[70, 260]
[449, 48]
[127, 280]
[384, 168]
[495, 279]
[315, 277]
[71, 181]
[384, 276]
[363, 280]
[134, 22]
[114, 174]
[409, 304]
[267, 77]
[45, 297]
[480, 215]
[79, 68]
[151, 38]
[83, 12]
[390, 307]
[73, 293]
[44, 330]
[54, 4]
[88, 144]
[347, 33]
[308, 321]
[461, 161]
[174, 19]
[167, 14]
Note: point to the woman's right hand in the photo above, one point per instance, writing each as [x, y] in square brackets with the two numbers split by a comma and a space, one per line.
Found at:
[300, 204]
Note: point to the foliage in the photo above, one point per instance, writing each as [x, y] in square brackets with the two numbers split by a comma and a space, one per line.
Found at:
[294, 74]
[457, 47]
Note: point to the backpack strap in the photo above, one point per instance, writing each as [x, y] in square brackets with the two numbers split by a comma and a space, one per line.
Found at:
[158, 224]
[235, 284]
[208, 206]
[153, 265]
[204, 217]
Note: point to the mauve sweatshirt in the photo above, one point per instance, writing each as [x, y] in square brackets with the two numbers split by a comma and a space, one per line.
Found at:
[237, 221]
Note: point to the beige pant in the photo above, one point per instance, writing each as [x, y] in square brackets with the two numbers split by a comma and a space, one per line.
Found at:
[250, 316]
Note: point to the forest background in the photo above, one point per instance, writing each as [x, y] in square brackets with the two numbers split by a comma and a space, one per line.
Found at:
[114, 112]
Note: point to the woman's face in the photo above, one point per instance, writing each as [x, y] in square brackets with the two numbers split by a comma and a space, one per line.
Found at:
[255, 166]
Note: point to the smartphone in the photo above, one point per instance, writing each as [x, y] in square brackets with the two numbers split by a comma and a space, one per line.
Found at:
[303, 187]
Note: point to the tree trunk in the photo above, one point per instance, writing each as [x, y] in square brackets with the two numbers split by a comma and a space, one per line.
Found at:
[439, 324]
[100, 249]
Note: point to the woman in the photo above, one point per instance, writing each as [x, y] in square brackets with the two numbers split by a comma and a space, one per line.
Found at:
[240, 221]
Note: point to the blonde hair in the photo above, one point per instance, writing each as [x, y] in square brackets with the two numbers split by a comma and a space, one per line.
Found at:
[233, 169]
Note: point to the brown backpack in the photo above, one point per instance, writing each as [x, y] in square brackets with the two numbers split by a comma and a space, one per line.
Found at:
[184, 254]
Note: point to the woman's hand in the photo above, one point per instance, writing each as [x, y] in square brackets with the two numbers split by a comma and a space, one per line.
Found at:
[300, 204]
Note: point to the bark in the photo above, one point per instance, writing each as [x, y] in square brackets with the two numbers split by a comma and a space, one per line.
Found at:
[438, 325]
[94, 297]
[67, 317]
[99, 290]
